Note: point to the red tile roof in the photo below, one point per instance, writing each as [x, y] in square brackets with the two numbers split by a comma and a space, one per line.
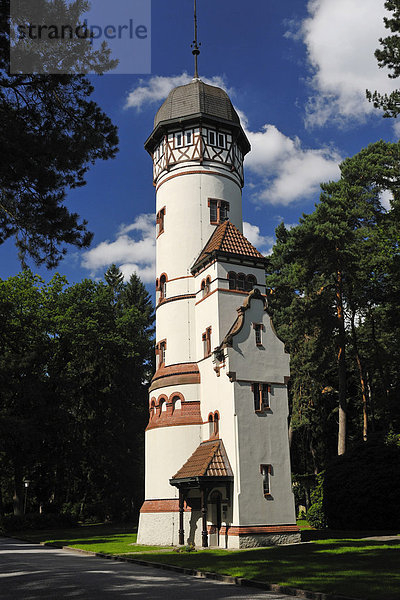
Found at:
[208, 460]
[227, 238]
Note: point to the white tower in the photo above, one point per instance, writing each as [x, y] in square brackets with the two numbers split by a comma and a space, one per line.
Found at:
[217, 449]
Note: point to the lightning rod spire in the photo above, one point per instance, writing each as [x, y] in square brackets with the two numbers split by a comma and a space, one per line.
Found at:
[195, 45]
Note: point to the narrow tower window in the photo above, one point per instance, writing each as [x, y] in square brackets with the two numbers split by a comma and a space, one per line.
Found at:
[258, 329]
[206, 337]
[178, 139]
[210, 425]
[261, 396]
[160, 221]
[189, 137]
[216, 424]
[163, 287]
[265, 471]
[211, 137]
[221, 140]
[161, 353]
[207, 286]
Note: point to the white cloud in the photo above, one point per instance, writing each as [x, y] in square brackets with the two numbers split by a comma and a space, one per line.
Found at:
[157, 88]
[131, 254]
[287, 171]
[341, 37]
[263, 243]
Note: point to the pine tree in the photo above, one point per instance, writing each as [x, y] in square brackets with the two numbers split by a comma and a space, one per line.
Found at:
[389, 56]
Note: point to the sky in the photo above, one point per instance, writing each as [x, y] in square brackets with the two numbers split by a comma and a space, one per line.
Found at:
[296, 72]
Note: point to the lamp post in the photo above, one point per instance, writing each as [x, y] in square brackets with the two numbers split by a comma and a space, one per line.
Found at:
[26, 485]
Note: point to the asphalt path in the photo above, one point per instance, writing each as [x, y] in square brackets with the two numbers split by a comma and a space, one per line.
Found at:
[32, 572]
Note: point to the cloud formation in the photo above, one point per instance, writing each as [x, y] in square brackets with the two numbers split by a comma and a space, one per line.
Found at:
[288, 172]
[341, 38]
[133, 250]
[157, 88]
[263, 243]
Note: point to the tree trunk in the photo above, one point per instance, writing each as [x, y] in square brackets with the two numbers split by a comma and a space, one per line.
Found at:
[379, 364]
[341, 367]
[362, 378]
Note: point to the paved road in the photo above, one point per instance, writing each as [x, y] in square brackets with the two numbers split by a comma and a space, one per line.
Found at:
[32, 572]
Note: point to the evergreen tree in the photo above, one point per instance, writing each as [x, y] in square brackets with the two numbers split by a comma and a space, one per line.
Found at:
[51, 132]
[389, 56]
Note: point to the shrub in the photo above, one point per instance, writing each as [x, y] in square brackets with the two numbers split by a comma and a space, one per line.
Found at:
[315, 514]
[362, 488]
[12, 523]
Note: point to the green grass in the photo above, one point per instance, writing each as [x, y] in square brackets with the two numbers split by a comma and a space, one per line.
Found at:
[345, 563]
[351, 567]
[109, 539]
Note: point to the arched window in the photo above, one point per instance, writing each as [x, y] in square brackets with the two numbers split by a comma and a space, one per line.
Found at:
[176, 403]
[232, 280]
[241, 278]
[152, 408]
[251, 281]
[213, 424]
[207, 286]
[161, 406]
[163, 286]
[216, 424]
[203, 288]
[210, 425]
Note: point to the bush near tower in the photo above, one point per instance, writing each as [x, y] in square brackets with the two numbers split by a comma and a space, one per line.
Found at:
[362, 488]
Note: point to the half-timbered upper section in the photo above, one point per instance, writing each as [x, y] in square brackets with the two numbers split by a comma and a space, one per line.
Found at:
[197, 123]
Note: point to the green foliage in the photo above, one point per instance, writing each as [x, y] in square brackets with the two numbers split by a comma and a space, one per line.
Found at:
[315, 514]
[12, 523]
[334, 296]
[389, 56]
[51, 132]
[362, 488]
[74, 367]
[185, 549]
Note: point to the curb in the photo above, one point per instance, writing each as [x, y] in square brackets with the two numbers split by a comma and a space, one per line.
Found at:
[240, 581]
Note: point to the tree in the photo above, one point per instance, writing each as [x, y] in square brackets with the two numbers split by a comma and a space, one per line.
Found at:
[52, 131]
[389, 56]
[24, 356]
[328, 274]
[74, 369]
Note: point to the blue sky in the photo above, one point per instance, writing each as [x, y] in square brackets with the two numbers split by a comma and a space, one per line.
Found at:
[297, 73]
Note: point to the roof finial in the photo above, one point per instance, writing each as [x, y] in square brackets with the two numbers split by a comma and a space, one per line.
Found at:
[195, 45]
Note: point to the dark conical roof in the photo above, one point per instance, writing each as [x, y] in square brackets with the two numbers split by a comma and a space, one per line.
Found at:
[194, 98]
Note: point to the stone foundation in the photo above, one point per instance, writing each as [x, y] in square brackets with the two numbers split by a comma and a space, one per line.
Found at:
[257, 541]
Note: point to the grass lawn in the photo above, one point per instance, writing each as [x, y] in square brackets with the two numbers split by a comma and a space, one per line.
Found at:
[345, 563]
[109, 539]
[352, 567]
